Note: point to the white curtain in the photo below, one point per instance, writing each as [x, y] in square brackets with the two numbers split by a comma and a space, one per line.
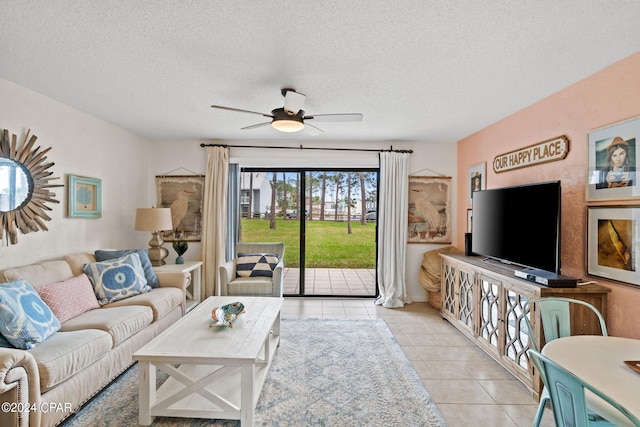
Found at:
[392, 229]
[214, 214]
[233, 212]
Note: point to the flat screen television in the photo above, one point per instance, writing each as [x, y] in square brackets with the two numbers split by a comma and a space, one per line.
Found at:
[519, 225]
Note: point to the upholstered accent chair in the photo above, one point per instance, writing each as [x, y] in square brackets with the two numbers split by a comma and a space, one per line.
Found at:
[257, 270]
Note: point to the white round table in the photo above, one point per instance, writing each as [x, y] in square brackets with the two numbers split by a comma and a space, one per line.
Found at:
[599, 361]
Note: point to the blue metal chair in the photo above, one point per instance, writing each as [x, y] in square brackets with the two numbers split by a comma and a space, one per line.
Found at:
[566, 391]
[555, 315]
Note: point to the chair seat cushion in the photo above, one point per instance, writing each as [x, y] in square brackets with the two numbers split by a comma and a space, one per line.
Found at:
[250, 286]
[256, 265]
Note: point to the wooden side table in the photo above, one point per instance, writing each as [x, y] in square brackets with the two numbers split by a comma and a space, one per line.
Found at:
[194, 268]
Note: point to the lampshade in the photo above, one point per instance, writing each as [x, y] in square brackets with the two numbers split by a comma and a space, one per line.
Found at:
[287, 125]
[153, 219]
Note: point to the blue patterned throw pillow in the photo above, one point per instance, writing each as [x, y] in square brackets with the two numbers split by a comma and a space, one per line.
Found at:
[117, 279]
[25, 320]
[256, 265]
[152, 279]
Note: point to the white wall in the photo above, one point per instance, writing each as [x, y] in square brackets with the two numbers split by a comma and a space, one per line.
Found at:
[428, 159]
[86, 146]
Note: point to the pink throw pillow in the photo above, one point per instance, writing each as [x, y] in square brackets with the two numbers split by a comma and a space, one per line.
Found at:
[69, 298]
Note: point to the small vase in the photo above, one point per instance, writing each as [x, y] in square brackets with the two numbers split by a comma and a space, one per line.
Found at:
[180, 246]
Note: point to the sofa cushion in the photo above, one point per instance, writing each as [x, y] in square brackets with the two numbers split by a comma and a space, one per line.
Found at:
[150, 275]
[160, 300]
[256, 265]
[119, 322]
[25, 320]
[66, 353]
[69, 298]
[117, 278]
[78, 260]
[40, 273]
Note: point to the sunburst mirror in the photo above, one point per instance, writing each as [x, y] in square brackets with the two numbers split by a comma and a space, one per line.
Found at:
[24, 186]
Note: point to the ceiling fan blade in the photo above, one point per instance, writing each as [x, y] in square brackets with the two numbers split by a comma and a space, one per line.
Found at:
[240, 111]
[313, 130]
[293, 101]
[255, 126]
[346, 117]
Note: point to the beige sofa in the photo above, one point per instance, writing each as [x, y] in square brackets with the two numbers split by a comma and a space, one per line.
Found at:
[46, 384]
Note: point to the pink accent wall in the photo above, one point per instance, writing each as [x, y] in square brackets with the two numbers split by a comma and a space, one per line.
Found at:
[607, 97]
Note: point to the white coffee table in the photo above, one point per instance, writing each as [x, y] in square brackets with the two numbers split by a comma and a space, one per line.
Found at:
[215, 372]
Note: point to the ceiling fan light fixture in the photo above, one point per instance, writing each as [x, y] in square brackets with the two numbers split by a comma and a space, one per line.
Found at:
[287, 125]
[291, 117]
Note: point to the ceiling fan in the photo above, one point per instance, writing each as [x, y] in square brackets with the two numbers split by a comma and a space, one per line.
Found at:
[292, 118]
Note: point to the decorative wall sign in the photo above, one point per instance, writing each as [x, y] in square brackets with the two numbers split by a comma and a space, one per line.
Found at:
[429, 209]
[613, 159]
[24, 186]
[85, 197]
[184, 195]
[542, 152]
[613, 240]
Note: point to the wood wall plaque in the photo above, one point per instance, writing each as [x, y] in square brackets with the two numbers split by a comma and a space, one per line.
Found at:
[542, 152]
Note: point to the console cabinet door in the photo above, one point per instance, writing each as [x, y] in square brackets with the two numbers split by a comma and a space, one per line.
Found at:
[458, 296]
[449, 289]
[490, 314]
[466, 304]
[516, 335]
[502, 328]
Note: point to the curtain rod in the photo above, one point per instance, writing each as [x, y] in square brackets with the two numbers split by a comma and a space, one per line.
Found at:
[305, 148]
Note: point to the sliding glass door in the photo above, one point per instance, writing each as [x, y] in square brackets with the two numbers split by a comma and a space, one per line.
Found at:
[327, 219]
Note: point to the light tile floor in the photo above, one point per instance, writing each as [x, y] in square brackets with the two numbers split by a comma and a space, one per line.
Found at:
[469, 388]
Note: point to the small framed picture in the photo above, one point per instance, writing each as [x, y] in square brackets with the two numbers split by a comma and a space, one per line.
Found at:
[613, 242]
[477, 179]
[85, 197]
[613, 159]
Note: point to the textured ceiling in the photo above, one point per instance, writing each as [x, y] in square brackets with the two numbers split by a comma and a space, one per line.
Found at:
[425, 70]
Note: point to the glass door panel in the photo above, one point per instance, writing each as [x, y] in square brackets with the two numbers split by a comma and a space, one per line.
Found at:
[330, 243]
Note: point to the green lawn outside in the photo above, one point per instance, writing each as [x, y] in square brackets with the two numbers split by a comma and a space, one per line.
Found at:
[328, 243]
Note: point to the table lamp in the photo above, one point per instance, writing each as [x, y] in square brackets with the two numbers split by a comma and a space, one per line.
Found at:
[155, 220]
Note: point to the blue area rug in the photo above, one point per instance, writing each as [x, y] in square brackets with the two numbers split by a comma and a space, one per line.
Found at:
[325, 373]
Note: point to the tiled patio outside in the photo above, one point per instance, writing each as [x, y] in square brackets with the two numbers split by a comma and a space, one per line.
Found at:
[331, 281]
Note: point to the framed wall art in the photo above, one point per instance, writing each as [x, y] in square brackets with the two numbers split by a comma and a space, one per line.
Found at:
[613, 159]
[84, 197]
[429, 209]
[613, 242]
[183, 194]
[477, 179]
